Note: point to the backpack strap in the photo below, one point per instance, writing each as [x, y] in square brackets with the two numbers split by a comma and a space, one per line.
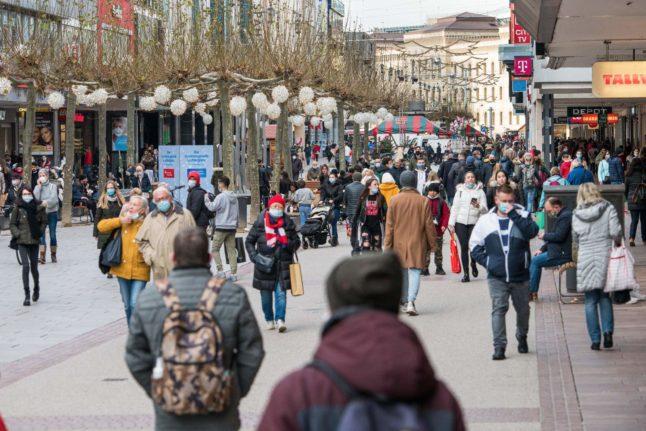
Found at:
[331, 374]
[211, 293]
[171, 301]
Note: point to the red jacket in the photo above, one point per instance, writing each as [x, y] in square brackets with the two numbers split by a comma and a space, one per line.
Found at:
[374, 352]
[434, 204]
[565, 168]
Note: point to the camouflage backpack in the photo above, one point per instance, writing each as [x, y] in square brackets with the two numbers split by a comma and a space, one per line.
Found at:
[190, 376]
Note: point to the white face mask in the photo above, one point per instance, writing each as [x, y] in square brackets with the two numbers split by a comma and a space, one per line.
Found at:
[134, 216]
[192, 183]
[27, 198]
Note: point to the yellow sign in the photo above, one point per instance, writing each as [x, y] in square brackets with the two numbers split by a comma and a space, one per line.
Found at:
[619, 79]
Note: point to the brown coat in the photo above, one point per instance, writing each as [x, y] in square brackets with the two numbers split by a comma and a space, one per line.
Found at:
[410, 231]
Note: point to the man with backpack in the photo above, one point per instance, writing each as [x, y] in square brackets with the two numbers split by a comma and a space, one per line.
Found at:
[365, 349]
[225, 207]
[194, 344]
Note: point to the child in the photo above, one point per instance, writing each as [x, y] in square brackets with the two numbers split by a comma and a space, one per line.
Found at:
[441, 212]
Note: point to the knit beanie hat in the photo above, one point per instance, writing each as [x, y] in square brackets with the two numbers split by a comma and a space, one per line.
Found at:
[276, 199]
[408, 179]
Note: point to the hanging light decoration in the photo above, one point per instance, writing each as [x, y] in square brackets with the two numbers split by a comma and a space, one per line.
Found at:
[147, 103]
[56, 100]
[259, 101]
[273, 111]
[237, 105]
[178, 107]
[280, 94]
[306, 95]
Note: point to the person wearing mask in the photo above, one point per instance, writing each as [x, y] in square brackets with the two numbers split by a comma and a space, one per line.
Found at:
[388, 187]
[557, 249]
[529, 180]
[133, 272]
[487, 169]
[325, 173]
[225, 207]
[580, 175]
[440, 212]
[507, 162]
[603, 170]
[595, 225]
[141, 180]
[304, 198]
[109, 206]
[635, 177]
[273, 237]
[351, 201]
[297, 167]
[500, 242]
[314, 171]
[195, 201]
[27, 222]
[15, 190]
[422, 174]
[189, 287]
[47, 193]
[410, 233]
[371, 214]
[469, 204]
[379, 168]
[396, 170]
[364, 343]
[566, 164]
[616, 169]
[156, 235]
[332, 194]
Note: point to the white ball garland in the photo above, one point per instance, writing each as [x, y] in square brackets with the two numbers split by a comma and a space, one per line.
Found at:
[162, 94]
[280, 94]
[178, 107]
[79, 90]
[5, 86]
[56, 100]
[315, 121]
[382, 112]
[200, 107]
[207, 119]
[372, 118]
[328, 124]
[191, 95]
[212, 99]
[309, 108]
[259, 101]
[298, 120]
[147, 103]
[326, 105]
[273, 111]
[237, 105]
[99, 96]
[306, 95]
[358, 118]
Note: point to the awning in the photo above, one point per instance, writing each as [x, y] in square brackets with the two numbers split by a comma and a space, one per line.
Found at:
[471, 132]
[408, 124]
[270, 131]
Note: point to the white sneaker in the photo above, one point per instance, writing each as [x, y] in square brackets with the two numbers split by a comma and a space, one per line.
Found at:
[233, 278]
[281, 326]
[402, 308]
[271, 326]
[638, 296]
[410, 309]
[632, 301]
[221, 274]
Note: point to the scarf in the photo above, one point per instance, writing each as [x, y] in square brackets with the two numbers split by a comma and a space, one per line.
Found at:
[31, 209]
[274, 232]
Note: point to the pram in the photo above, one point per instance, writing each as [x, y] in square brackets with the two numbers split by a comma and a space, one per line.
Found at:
[316, 229]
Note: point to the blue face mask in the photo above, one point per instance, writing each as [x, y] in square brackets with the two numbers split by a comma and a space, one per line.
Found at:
[503, 207]
[163, 206]
[276, 213]
[111, 192]
[332, 180]
[470, 186]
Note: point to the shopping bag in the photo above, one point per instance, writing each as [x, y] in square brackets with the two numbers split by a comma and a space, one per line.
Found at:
[296, 278]
[242, 257]
[348, 229]
[540, 220]
[456, 267]
[621, 271]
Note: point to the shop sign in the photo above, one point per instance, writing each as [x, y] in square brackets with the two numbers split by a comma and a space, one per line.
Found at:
[577, 111]
[519, 85]
[519, 36]
[177, 161]
[523, 66]
[598, 119]
[619, 79]
[560, 120]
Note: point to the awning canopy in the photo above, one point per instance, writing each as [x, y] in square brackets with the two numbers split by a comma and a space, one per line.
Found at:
[471, 132]
[408, 124]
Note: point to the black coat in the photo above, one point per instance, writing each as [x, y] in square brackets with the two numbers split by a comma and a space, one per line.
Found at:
[113, 210]
[332, 192]
[632, 183]
[195, 204]
[558, 242]
[256, 243]
[143, 183]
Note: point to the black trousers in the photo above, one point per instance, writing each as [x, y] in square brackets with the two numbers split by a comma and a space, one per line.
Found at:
[371, 238]
[637, 217]
[29, 258]
[354, 234]
[463, 231]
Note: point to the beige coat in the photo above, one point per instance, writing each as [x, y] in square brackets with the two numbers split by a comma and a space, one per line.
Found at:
[156, 236]
[410, 231]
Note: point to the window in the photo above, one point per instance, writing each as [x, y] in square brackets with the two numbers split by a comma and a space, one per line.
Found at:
[485, 93]
[517, 119]
[484, 115]
[500, 92]
[510, 117]
[500, 117]
[477, 90]
[492, 67]
[478, 118]
[493, 93]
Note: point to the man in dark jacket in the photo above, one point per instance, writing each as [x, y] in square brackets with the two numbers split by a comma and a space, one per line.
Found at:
[243, 350]
[396, 170]
[500, 243]
[14, 190]
[369, 348]
[445, 168]
[332, 194]
[264, 176]
[351, 196]
[453, 177]
[557, 249]
[616, 168]
[195, 201]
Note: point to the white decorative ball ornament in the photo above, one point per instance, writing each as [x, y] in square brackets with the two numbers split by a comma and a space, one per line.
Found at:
[237, 105]
[56, 100]
[358, 118]
[315, 121]
[328, 117]
[212, 99]
[326, 105]
[259, 101]
[280, 94]
[273, 111]
[191, 95]
[309, 108]
[373, 118]
[99, 96]
[389, 117]
[162, 95]
[79, 90]
[207, 119]
[178, 107]
[147, 103]
[84, 99]
[298, 120]
[306, 95]
[200, 107]
[328, 124]
[382, 112]
[5, 86]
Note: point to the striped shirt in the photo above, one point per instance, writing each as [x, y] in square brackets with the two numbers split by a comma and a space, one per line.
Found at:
[503, 222]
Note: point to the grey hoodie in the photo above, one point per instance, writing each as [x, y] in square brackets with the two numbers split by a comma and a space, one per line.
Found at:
[48, 193]
[225, 206]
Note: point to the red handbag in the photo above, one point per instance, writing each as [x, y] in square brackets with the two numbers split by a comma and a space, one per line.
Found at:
[456, 267]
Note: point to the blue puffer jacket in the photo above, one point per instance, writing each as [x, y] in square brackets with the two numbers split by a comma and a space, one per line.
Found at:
[486, 245]
[580, 175]
[616, 170]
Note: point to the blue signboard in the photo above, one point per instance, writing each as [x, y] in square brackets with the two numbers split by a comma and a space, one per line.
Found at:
[519, 85]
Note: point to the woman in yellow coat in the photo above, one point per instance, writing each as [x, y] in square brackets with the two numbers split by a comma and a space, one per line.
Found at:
[388, 187]
[133, 273]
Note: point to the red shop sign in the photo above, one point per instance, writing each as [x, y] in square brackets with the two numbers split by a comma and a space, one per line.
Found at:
[523, 66]
[519, 36]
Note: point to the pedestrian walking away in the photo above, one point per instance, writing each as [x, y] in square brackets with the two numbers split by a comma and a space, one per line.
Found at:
[303, 198]
[351, 201]
[635, 193]
[27, 222]
[225, 207]
[332, 194]
[271, 244]
[47, 192]
[227, 328]
[500, 243]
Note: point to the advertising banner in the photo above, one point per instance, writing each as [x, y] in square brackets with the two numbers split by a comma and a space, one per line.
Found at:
[177, 161]
[119, 134]
[619, 79]
[42, 143]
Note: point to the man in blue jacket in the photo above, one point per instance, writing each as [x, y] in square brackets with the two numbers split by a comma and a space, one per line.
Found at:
[579, 174]
[500, 243]
[616, 169]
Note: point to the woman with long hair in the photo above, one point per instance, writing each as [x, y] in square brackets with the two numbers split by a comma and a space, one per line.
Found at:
[371, 213]
[109, 206]
[595, 225]
[27, 223]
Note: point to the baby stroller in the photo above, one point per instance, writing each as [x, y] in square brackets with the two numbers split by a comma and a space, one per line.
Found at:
[316, 229]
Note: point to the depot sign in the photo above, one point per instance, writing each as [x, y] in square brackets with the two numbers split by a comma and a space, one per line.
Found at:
[619, 79]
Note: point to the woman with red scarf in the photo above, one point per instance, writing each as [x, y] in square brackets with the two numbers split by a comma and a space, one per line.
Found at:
[271, 245]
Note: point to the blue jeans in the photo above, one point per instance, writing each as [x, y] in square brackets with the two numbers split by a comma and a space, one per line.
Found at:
[52, 221]
[411, 284]
[130, 290]
[280, 299]
[598, 301]
[304, 211]
[536, 268]
[530, 195]
[333, 224]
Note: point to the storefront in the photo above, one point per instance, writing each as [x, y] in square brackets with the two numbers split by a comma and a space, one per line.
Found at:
[8, 131]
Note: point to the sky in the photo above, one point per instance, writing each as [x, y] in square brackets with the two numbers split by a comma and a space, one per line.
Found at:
[392, 13]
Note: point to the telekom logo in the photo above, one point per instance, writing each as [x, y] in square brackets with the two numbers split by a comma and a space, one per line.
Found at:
[523, 66]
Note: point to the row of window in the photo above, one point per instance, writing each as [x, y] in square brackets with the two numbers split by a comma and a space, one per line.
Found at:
[422, 68]
[497, 116]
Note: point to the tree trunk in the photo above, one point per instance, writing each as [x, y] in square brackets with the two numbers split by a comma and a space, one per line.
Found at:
[28, 136]
[103, 150]
[287, 146]
[252, 157]
[278, 150]
[341, 136]
[131, 155]
[366, 135]
[217, 125]
[68, 169]
[227, 133]
[356, 141]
